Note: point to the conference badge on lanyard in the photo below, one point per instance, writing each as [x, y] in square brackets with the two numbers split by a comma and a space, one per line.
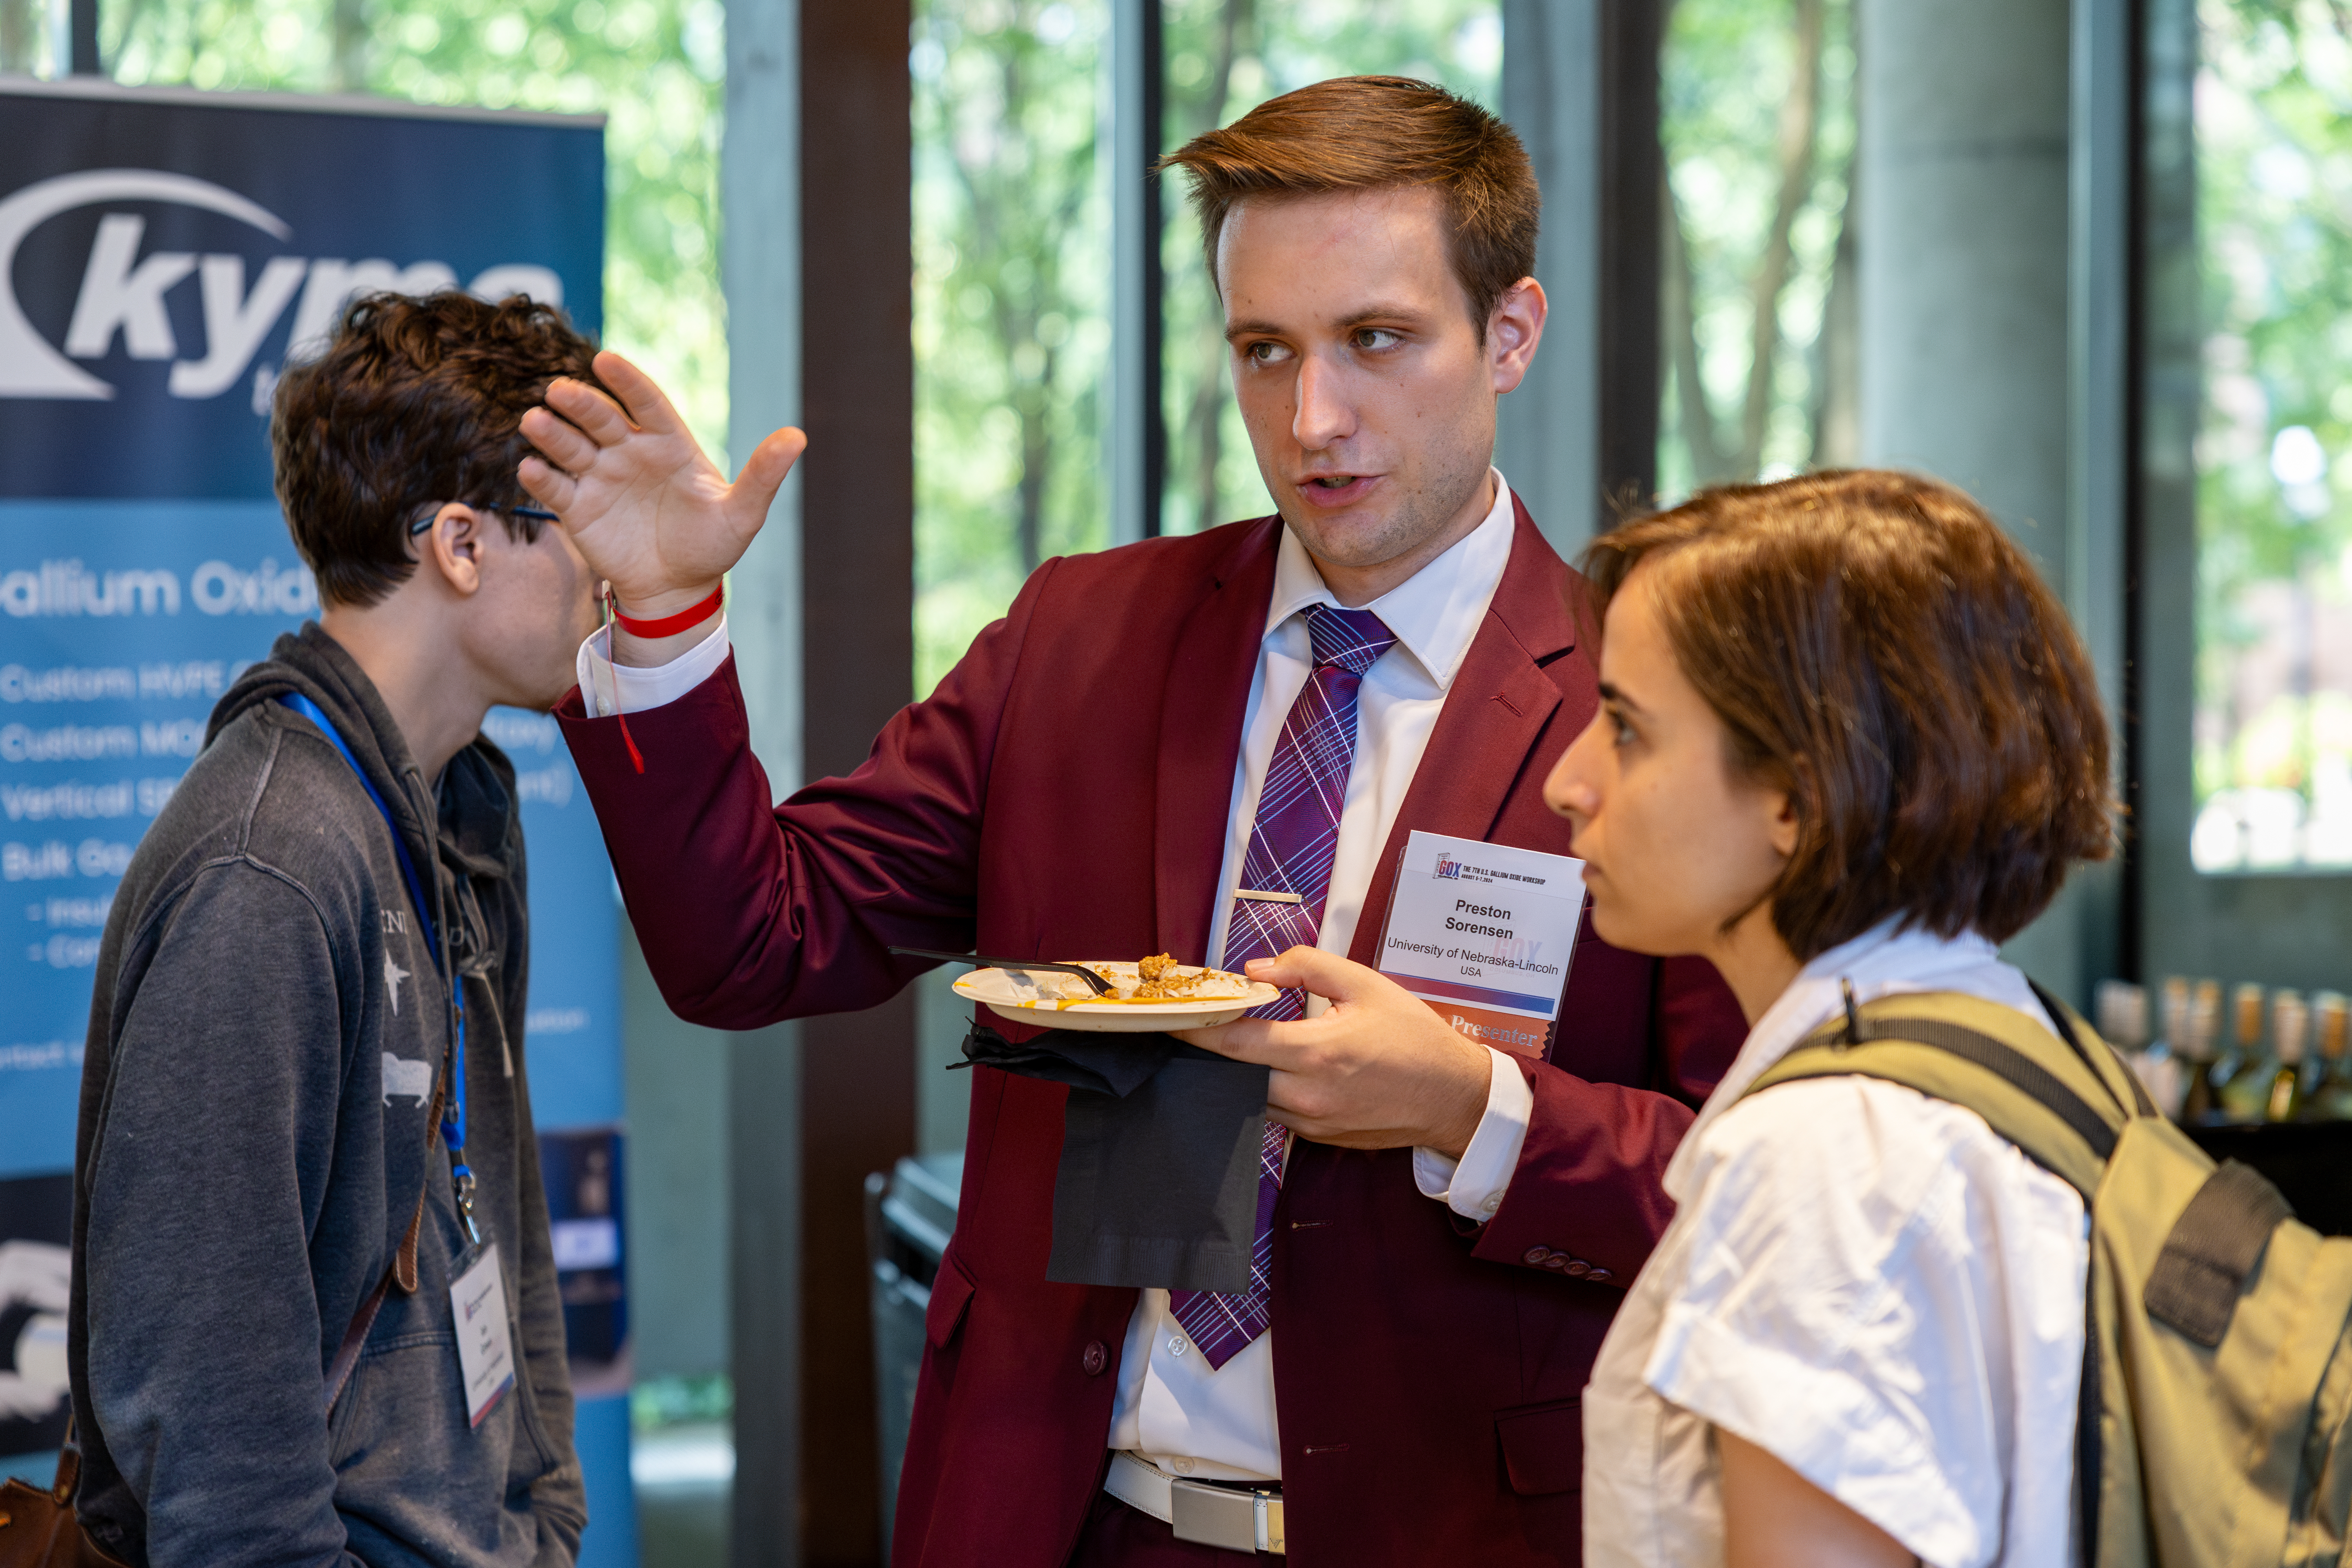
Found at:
[485, 1347]
[478, 1299]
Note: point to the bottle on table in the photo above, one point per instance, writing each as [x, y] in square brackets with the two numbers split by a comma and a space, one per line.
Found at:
[2202, 1064]
[2169, 1063]
[2284, 1073]
[2122, 1009]
[2331, 1018]
[2241, 1087]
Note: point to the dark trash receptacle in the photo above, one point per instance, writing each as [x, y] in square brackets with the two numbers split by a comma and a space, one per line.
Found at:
[2310, 1162]
[909, 1215]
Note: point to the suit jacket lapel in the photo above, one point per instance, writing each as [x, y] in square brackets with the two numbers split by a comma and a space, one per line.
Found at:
[1201, 713]
[1493, 713]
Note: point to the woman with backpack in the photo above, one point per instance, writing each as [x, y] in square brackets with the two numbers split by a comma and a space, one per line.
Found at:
[1848, 742]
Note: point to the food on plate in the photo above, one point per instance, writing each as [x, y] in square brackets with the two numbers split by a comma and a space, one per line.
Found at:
[1161, 978]
[1158, 980]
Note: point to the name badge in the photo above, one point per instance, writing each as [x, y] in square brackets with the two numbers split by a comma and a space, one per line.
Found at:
[1483, 934]
[485, 1349]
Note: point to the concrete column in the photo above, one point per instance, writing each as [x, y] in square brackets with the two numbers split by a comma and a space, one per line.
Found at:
[1580, 87]
[1963, 184]
[1963, 181]
[1130, 143]
[1548, 433]
[760, 262]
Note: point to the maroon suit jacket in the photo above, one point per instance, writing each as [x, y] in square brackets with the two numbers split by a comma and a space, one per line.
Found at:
[1065, 794]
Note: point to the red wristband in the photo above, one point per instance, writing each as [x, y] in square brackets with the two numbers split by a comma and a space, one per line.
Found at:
[668, 626]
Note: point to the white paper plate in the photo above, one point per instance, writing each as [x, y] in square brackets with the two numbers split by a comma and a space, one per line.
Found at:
[1004, 990]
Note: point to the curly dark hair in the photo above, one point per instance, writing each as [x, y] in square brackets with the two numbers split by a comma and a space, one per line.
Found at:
[414, 400]
[1882, 650]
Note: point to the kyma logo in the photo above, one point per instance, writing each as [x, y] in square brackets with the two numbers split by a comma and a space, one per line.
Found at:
[122, 292]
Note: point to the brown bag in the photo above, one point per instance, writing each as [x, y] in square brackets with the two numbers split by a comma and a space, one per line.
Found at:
[37, 1528]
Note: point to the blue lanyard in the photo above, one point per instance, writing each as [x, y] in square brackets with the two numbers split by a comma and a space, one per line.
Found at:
[453, 1126]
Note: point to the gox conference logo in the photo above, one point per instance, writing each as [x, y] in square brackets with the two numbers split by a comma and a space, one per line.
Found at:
[1449, 867]
[123, 291]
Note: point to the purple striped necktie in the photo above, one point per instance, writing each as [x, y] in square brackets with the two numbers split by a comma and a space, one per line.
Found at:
[1291, 847]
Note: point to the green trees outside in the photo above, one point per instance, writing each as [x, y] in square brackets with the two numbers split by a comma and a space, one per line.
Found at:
[1758, 122]
[2273, 759]
[25, 46]
[1011, 305]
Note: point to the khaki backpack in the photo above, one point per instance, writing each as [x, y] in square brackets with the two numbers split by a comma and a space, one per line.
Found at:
[2217, 1375]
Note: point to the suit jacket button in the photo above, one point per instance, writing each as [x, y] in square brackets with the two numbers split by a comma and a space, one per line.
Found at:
[1579, 1268]
[1598, 1275]
[1095, 1359]
[1537, 1258]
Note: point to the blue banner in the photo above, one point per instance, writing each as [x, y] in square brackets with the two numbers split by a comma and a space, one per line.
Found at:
[161, 253]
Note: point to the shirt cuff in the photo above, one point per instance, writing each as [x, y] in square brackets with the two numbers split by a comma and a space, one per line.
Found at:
[606, 688]
[1473, 1186]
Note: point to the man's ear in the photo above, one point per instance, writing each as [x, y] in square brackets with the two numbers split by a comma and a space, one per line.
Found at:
[453, 547]
[1514, 328]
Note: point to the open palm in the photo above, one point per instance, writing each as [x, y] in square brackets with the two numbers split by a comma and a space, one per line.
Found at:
[651, 514]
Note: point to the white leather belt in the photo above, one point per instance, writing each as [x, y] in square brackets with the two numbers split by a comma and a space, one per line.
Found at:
[1233, 1515]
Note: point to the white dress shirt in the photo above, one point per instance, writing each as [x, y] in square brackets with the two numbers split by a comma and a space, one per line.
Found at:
[1872, 1286]
[606, 688]
[1172, 1406]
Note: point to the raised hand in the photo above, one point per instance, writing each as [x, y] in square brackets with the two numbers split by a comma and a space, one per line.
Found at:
[650, 513]
[1378, 1070]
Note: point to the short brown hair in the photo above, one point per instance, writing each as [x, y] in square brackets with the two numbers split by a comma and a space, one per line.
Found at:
[1882, 650]
[414, 400]
[1374, 132]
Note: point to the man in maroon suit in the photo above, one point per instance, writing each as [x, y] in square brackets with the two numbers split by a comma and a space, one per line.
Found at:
[1213, 746]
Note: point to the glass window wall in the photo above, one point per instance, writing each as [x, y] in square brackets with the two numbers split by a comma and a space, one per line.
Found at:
[2274, 591]
[1012, 309]
[1757, 117]
[26, 45]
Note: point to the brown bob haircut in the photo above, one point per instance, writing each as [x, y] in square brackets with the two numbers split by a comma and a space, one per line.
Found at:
[1879, 648]
[414, 401]
[1378, 132]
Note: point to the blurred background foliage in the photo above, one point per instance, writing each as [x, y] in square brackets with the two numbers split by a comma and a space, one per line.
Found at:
[1756, 114]
[655, 68]
[1012, 307]
[2273, 758]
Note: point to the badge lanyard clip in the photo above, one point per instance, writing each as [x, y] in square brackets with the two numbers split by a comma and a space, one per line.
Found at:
[453, 1115]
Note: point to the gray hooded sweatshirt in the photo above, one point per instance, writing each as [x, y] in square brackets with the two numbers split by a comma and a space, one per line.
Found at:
[255, 1132]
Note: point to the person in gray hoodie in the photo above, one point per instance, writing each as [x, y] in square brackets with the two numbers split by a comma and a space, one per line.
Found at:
[314, 1316]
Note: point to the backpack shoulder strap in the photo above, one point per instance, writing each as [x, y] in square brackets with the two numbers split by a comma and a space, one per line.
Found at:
[2057, 1104]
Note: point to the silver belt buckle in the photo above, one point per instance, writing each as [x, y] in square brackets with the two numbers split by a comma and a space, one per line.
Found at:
[1214, 1516]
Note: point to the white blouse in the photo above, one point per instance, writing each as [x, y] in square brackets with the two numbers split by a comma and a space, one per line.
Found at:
[1872, 1286]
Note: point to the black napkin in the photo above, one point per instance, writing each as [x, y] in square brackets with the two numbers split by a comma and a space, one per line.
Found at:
[1158, 1184]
